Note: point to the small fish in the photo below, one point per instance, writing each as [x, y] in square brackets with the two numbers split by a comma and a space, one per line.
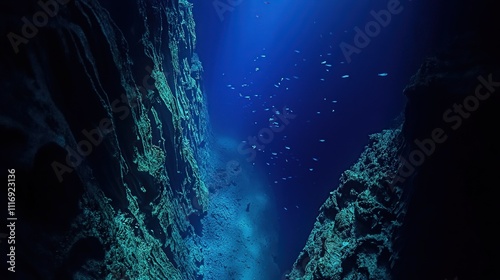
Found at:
[286, 147]
[321, 140]
[345, 76]
[257, 69]
[382, 74]
[323, 62]
[286, 209]
[297, 51]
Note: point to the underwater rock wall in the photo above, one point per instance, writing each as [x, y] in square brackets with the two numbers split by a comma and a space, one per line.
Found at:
[351, 238]
[449, 165]
[420, 203]
[438, 221]
[104, 120]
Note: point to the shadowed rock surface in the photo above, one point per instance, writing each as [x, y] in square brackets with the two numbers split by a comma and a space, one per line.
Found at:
[439, 221]
[103, 118]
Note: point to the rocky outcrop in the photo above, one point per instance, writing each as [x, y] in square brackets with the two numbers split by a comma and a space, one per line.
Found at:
[352, 236]
[103, 120]
[421, 203]
[450, 159]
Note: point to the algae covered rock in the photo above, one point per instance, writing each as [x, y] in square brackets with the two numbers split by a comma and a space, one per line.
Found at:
[351, 238]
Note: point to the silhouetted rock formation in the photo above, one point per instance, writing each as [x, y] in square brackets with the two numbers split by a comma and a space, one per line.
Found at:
[439, 223]
[103, 118]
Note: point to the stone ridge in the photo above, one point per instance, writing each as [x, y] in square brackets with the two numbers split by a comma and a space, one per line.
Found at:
[105, 119]
[351, 238]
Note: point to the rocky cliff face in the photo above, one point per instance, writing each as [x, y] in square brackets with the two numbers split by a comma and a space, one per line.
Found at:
[353, 232]
[448, 167]
[420, 203]
[103, 120]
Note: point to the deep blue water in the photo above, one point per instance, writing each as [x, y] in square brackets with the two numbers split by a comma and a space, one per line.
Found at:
[287, 54]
